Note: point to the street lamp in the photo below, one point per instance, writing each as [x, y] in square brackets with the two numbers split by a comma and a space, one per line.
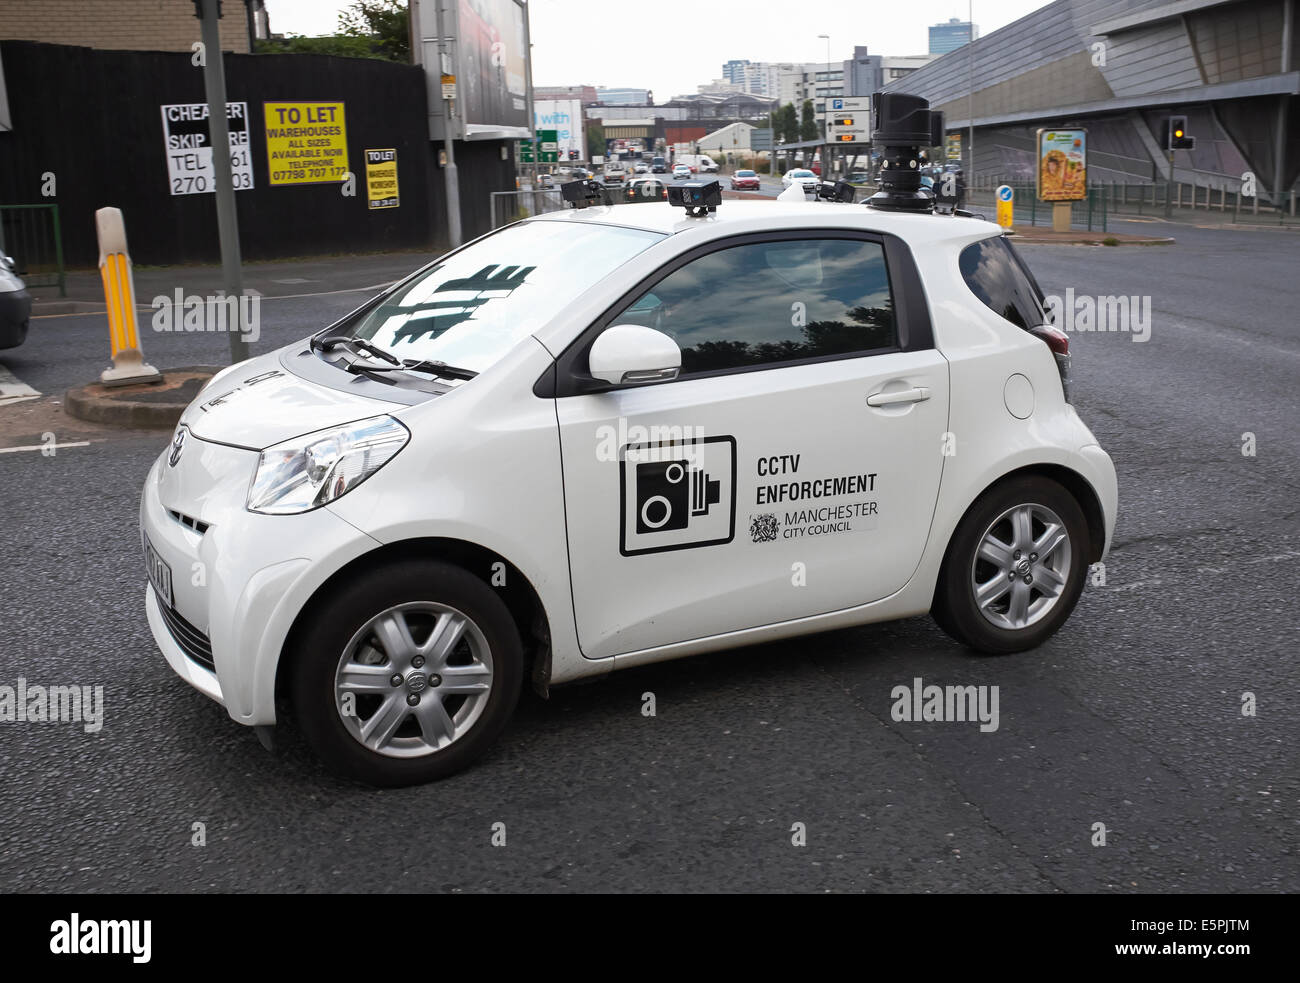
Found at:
[826, 109]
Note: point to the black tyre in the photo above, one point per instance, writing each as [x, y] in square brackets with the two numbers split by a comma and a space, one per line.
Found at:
[1015, 567]
[407, 674]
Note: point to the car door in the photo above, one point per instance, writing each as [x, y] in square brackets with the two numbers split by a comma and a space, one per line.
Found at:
[790, 470]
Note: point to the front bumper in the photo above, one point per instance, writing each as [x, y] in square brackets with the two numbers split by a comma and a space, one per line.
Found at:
[239, 579]
[15, 311]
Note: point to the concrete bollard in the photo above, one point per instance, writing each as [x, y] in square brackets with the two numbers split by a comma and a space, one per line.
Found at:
[129, 366]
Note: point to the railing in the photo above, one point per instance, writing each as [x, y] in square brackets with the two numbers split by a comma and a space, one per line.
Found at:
[30, 234]
[511, 206]
[1114, 200]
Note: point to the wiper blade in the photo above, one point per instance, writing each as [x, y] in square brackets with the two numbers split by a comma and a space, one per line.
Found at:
[354, 344]
[441, 369]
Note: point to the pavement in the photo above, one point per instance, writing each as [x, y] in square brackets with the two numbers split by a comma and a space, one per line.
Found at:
[1130, 717]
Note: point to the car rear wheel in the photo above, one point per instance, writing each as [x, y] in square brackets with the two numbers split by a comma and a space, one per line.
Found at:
[1015, 567]
[407, 674]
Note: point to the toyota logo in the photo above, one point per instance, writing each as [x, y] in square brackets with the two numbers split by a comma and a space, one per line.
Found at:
[416, 681]
[178, 445]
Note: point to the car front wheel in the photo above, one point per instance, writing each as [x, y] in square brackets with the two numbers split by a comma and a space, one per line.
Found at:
[406, 675]
[1015, 567]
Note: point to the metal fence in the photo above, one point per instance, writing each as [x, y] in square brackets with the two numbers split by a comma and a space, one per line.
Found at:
[1112, 200]
[511, 206]
[30, 234]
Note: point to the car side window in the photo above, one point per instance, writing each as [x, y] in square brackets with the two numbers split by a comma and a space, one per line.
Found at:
[773, 302]
[998, 277]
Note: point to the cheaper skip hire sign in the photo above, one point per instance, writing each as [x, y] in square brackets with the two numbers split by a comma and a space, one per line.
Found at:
[306, 142]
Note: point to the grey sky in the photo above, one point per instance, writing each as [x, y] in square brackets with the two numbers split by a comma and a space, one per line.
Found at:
[671, 50]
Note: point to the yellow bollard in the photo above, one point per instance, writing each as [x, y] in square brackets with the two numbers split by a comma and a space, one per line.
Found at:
[129, 366]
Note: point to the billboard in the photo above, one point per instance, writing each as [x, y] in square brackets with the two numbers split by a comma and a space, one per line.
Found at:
[1062, 165]
[493, 78]
[564, 116]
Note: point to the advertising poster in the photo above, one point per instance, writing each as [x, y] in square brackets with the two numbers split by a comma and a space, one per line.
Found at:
[1062, 165]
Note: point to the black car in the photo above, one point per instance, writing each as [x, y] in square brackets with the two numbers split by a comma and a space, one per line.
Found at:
[658, 166]
[15, 305]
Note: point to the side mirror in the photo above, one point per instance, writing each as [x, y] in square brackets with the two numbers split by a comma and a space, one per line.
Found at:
[630, 354]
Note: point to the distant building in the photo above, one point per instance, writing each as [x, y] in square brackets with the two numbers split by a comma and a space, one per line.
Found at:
[952, 35]
[1239, 89]
[623, 97]
[133, 25]
[585, 94]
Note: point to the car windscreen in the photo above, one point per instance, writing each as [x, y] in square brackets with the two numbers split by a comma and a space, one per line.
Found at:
[476, 304]
[802, 174]
[744, 174]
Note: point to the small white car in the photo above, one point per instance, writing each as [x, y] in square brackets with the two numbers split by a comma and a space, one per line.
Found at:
[613, 436]
[803, 177]
[681, 171]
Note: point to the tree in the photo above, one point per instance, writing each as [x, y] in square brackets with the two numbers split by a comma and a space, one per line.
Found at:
[333, 44]
[385, 22]
[787, 124]
[595, 140]
[808, 129]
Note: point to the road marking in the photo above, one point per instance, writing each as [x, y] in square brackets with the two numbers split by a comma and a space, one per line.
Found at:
[13, 390]
[44, 447]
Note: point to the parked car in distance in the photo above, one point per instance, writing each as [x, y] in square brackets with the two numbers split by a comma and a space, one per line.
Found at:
[15, 305]
[802, 177]
[745, 180]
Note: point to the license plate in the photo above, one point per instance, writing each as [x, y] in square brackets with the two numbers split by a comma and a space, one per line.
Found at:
[160, 574]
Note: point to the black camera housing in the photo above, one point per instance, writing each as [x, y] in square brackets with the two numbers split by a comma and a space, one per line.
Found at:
[836, 191]
[697, 197]
[580, 194]
[904, 124]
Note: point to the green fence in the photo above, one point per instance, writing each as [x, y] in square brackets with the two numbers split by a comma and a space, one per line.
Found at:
[30, 234]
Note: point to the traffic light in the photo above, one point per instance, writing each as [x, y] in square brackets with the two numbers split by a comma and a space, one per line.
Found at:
[1176, 137]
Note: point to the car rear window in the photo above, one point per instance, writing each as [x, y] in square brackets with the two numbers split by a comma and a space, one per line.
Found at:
[997, 275]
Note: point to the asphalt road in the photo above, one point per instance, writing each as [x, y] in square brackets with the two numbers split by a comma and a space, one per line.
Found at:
[1130, 717]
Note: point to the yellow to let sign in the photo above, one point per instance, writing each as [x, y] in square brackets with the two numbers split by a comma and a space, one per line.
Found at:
[381, 178]
[306, 142]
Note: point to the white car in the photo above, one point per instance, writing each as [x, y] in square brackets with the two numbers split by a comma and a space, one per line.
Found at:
[803, 177]
[597, 439]
[681, 171]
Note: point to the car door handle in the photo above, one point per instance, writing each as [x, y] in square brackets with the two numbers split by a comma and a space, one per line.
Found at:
[902, 396]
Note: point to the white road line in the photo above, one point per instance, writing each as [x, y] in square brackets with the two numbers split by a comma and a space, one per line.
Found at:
[12, 389]
[44, 447]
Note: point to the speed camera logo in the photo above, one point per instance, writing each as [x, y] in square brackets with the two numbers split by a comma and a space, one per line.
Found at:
[677, 495]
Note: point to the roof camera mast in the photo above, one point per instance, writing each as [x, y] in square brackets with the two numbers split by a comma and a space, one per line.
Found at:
[904, 124]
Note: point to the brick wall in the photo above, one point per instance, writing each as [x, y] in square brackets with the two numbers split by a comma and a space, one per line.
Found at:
[135, 25]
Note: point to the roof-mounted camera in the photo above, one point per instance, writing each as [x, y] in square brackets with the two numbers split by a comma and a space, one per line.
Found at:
[580, 194]
[836, 191]
[697, 197]
[904, 124]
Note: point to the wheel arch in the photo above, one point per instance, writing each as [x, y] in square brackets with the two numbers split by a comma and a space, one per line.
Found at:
[1073, 482]
[518, 593]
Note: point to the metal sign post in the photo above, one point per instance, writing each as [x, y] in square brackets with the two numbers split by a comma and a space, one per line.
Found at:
[214, 87]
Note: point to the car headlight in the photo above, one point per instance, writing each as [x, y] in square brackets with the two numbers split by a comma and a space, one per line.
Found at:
[307, 472]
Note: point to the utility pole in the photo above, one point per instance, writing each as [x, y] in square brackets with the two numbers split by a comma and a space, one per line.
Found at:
[826, 114]
[970, 99]
[214, 88]
[448, 144]
[532, 114]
